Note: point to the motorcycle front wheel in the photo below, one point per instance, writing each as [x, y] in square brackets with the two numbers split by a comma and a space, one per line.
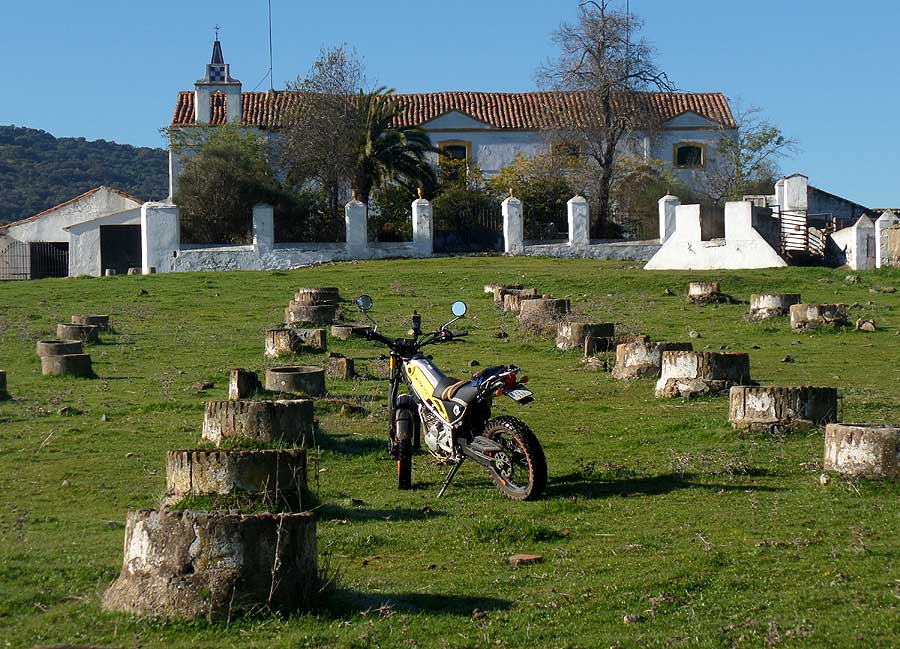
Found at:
[521, 472]
[403, 437]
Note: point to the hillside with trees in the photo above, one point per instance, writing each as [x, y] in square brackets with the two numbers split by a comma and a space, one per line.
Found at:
[38, 171]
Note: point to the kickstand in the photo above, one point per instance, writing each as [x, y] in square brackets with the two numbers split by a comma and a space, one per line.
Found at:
[450, 478]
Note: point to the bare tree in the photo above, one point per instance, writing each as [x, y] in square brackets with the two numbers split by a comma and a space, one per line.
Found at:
[604, 58]
[320, 131]
[745, 162]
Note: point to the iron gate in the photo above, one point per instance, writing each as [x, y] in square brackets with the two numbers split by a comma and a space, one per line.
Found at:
[34, 260]
[474, 229]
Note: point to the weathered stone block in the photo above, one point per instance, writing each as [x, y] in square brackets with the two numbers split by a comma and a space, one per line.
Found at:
[777, 409]
[543, 313]
[811, 316]
[690, 374]
[286, 342]
[300, 314]
[101, 321]
[571, 335]
[340, 368]
[278, 477]
[189, 565]
[863, 450]
[261, 421]
[703, 291]
[769, 305]
[314, 296]
[242, 384]
[638, 360]
[500, 293]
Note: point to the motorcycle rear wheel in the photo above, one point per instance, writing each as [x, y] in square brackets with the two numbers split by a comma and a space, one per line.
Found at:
[403, 434]
[522, 473]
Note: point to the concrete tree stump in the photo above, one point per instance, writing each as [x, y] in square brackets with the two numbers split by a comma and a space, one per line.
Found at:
[781, 409]
[286, 342]
[110, 272]
[812, 316]
[703, 292]
[571, 335]
[638, 360]
[770, 305]
[277, 476]
[85, 333]
[59, 347]
[689, 374]
[340, 368]
[512, 302]
[242, 384]
[610, 343]
[102, 321]
[3, 393]
[289, 421]
[134, 270]
[491, 288]
[543, 313]
[314, 296]
[301, 379]
[869, 451]
[501, 292]
[67, 365]
[343, 332]
[189, 565]
[319, 314]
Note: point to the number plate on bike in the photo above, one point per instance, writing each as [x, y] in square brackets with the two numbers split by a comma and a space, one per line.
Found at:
[521, 395]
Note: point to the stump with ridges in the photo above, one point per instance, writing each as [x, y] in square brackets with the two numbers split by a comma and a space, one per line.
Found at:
[543, 313]
[59, 347]
[287, 342]
[85, 333]
[314, 296]
[689, 374]
[242, 384]
[640, 359]
[191, 565]
[781, 409]
[703, 291]
[301, 379]
[318, 314]
[571, 335]
[67, 365]
[289, 421]
[501, 292]
[102, 321]
[863, 450]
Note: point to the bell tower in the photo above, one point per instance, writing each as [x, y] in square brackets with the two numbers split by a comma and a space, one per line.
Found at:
[217, 96]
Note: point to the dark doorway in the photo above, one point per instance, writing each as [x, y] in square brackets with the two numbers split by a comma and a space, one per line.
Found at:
[120, 247]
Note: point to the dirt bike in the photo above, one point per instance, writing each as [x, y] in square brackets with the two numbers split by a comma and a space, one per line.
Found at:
[456, 414]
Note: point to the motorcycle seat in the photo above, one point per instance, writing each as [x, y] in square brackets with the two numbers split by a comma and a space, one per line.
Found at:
[450, 389]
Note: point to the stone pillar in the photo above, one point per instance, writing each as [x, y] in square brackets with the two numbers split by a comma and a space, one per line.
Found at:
[667, 205]
[160, 236]
[579, 221]
[885, 221]
[423, 227]
[864, 245]
[263, 229]
[357, 229]
[513, 226]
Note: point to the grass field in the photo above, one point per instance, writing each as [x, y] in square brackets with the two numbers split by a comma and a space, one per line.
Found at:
[653, 509]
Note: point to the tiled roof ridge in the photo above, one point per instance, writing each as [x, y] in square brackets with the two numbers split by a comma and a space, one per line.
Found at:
[86, 194]
[501, 110]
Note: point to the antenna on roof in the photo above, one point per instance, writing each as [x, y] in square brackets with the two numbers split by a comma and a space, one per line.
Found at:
[271, 83]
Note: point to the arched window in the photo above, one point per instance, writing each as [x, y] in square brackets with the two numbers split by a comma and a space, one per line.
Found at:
[690, 155]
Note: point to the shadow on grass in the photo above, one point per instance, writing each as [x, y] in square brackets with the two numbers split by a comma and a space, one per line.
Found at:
[351, 444]
[345, 602]
[337, 512]
[579, 485]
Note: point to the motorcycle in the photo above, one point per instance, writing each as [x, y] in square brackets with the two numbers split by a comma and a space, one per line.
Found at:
[456, 414]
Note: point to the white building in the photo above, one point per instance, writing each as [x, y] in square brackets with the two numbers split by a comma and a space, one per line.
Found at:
[97, 230]
[487, 129]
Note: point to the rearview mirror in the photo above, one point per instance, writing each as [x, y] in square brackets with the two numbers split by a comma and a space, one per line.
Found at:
[364, 302]
[459, 308]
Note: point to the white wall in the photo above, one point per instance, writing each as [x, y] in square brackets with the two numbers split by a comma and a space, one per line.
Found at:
[84, 241]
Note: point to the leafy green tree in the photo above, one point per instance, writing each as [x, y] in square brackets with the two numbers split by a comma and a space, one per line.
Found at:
[225, 172]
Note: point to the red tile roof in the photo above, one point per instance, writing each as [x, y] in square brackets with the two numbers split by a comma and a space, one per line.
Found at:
[520, 110]
[69, 202]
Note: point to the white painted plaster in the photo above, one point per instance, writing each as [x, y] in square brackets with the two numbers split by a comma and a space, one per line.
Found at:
[160, 236]
[513, 226]
[667, 205]
[84, 241]
[886, 220]
[579, 221]
[423, 227]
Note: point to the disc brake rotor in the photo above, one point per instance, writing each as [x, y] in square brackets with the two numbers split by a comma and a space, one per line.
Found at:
[503, 464]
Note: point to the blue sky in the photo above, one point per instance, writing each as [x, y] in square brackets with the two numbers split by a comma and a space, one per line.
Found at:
[826, 72]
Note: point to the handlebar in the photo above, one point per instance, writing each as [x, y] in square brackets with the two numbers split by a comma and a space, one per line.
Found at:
[410, 346]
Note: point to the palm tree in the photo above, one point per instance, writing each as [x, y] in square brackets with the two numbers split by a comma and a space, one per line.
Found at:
[388, 152]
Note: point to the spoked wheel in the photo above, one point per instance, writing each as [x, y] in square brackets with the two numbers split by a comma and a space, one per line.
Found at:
[403, 434]
[521, 472]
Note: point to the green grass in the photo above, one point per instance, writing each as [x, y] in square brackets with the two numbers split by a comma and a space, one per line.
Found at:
[654, 509]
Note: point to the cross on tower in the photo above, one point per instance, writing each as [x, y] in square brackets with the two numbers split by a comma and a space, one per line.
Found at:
[217, 28]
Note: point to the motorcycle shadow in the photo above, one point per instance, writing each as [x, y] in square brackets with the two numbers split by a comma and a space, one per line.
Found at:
[359, 514]
[343, 603]
[578, 485]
